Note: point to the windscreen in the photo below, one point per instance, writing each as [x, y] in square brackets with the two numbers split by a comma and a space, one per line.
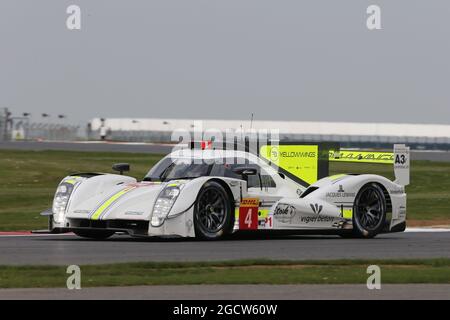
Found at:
[174, 169]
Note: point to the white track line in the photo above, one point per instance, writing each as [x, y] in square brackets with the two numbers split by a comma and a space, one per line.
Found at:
[35, 235]
[427, 230]
[417, 230]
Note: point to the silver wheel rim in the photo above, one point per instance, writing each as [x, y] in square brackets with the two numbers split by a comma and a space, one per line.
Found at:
[370, 208]
[211, 210]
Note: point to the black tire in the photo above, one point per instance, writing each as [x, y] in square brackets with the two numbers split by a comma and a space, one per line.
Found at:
[369, 211]
[94, 234]
[213, 212]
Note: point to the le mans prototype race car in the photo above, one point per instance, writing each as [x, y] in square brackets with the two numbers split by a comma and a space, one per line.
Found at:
[210, 193]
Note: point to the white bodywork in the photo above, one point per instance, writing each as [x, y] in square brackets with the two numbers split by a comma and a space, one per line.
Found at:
[115, 198]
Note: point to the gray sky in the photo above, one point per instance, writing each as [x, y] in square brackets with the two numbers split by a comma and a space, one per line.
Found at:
[281, 59]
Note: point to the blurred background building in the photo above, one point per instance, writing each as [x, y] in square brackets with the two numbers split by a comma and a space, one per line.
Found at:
[377, 135]
[45, 127]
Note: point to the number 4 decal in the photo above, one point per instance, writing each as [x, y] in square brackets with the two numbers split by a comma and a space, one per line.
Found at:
[248, 218]
[248, 214]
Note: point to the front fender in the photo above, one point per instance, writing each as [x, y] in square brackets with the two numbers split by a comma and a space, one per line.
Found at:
[180, 221]
[190, 190]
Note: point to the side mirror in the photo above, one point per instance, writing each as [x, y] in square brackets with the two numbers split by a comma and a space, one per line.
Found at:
[246, 171]
[121, 167]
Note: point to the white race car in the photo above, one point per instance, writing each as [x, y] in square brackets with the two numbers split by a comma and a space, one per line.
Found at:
[210, 193]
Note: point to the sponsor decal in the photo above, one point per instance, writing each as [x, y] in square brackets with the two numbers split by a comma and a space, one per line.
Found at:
[265, 219]
[362, 156]
[249, 202]
[274, 154]
[134, 213]
[298, 154]
[397, 191]
[314, 219]
[316, 208]
[82, 211]
[340, 193]
[300, 161]
[346, 213]
[284, 212]
[402, 212]
[144, 184]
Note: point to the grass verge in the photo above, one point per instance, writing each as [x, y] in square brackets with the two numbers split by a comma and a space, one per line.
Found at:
[231, 272]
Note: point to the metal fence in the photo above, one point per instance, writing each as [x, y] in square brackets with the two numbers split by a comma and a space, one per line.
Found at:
[51, 132]
[20, 128]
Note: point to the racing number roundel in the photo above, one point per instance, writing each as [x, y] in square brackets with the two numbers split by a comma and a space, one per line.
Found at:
[248, 214]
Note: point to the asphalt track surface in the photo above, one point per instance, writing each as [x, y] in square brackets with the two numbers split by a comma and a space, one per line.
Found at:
[237, 292]
[69, 249]
[154, 148]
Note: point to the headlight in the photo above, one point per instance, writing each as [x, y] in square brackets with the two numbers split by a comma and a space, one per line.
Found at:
[61, 199]
[164, 203]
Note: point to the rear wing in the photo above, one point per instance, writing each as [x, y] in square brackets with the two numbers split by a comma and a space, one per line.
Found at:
[399, 159]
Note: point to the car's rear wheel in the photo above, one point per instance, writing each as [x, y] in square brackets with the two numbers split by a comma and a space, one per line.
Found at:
[94, 234]
[212, 212]
[369, 211]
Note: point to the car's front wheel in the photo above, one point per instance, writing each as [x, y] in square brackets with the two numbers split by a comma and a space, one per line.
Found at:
[212, 212]
[369, 211]
[94, 234]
